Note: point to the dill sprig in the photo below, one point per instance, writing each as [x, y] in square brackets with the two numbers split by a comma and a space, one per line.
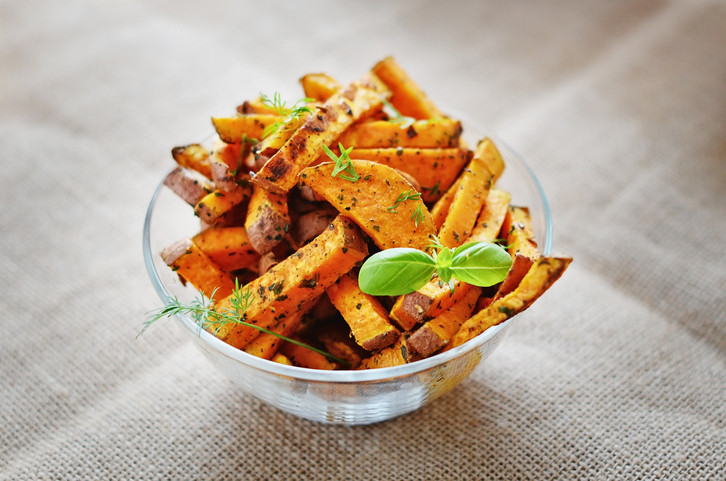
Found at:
[418, 215]
[206, 317]
[403, 197]
[288, 114]
[343, 165]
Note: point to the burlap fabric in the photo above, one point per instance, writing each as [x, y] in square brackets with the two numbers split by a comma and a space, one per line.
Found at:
[619, 372]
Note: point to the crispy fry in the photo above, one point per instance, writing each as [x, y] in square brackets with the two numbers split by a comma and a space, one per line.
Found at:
[187, 259]
[407, 98]
[188, 184]
[268, 219]
[304, 275]
[234, 130]
[215, 205]
[367, 201]
[367, 318]
[434, 169]
[319, 86]
[193, 156]
[432, 134]
[227, 247]
[434, 334]
[470, 194]
[543, 273]
[280, 173]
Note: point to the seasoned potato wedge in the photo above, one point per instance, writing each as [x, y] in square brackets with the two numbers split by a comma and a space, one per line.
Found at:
[370, 201]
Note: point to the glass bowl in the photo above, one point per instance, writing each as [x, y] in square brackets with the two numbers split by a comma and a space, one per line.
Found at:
[339, 397]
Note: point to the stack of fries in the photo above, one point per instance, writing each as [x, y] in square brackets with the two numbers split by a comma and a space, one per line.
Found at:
[293, 198]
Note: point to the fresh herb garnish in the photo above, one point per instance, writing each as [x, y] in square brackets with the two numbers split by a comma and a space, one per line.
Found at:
[401, 270]
[403, 197]
[418, 215]
[288, 114]
[343, 165]
[395, 116]
[207, 317]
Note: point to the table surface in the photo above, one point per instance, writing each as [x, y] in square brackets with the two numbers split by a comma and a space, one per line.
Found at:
[618, 372]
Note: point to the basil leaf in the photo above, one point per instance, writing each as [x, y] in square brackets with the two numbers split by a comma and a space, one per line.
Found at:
[394, 272]
[480, 263]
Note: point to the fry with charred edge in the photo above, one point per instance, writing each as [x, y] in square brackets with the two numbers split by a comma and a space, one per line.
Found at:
[407, 98]
[432, 134]
[366, 316]
[268, 219]
[234, 130]
[427, 302]
[543, 273]
[319, 86]
[279, 174]
[193, 156]
[216, 204]
[394, 355]
[227, 164]
[228, 247]
[189, 185]
[195, 267]
[434, 334]
[470, 194]
[304, 275]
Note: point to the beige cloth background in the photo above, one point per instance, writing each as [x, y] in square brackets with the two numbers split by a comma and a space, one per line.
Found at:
[620, 107]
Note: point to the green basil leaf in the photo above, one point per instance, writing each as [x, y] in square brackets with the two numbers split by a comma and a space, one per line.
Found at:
[394, 272]
[480, 263]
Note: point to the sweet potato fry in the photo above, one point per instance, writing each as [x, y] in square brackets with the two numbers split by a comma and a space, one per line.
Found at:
[187, 259]
[266, 345]
[407, 98]
[470, 194]
[268, 220]
[543, 273]
[234, 130]
[367, 318]
[490, 220]
[319, 86]
[194, 157]
[427, 302]
[434, 169]
[279, 174]
[304, 275]
[394, 355]
[434, 334]
[215, 205]
[433, 134]
[188, 184]
[370, 201]
[304, 357]
[517, 229]
[228, 247]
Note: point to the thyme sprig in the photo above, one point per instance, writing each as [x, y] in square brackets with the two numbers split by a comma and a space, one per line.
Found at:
[288, 114]
[206, 317]
[343, 165]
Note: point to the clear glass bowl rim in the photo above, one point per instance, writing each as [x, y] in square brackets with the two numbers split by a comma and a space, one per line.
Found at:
[336, 376]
